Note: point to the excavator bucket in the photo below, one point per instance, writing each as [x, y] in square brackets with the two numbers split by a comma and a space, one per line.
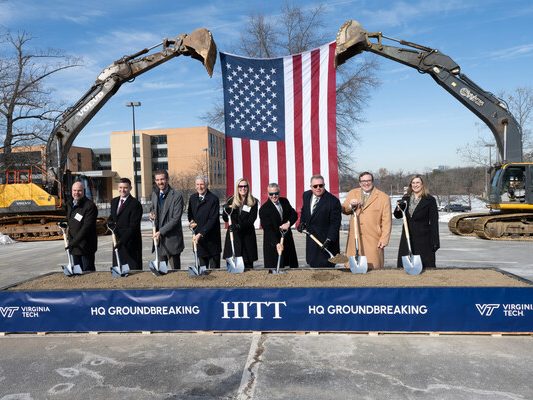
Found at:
[351, 40]
[202, 47]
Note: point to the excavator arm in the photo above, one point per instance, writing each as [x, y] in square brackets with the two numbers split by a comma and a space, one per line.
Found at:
[352, 39]
[198, 45]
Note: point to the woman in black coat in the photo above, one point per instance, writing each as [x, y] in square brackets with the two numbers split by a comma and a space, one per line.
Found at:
[423, 222]
[242, 209]
[271, 222]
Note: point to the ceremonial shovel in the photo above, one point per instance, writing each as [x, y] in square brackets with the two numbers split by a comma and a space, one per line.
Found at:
[234, 264]
[157, 267]
[279, 249]
[119, 269]
[358, 264]
[70, 269]
[196, 270]
[338, 259]
[412, 264]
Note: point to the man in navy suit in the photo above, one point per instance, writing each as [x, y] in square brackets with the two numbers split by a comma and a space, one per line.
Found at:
[321, 217]
[126, 213]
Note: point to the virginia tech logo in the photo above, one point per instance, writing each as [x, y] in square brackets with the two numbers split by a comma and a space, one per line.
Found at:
[7, 312]
[487, 309]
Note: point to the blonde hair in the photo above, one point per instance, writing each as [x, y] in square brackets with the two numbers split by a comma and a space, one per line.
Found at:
[237, 202]
[425, 190]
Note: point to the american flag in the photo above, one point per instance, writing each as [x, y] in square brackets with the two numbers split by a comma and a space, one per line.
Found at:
[280, 122]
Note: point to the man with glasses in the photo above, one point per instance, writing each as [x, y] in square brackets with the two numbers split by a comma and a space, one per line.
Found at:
[277, 216]
[373, 208]
[321, 217]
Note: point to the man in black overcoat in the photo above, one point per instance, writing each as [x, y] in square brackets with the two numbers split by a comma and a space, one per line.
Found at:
[203, 214]
[126, 213]
[321, 216]
[81, 219]
[276, 215]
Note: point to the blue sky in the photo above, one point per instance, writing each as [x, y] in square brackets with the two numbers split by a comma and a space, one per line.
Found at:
[411, 123]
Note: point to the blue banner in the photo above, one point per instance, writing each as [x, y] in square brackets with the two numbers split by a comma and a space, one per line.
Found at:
[499, 309]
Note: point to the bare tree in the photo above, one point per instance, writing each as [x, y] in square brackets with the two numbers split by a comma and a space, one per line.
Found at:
[295, 30]
[26, 106]
[520, 104]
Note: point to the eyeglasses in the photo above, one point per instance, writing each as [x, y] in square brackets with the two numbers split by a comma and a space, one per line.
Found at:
[273, 194]
[243, 186]
[320, 185]
[365, 181]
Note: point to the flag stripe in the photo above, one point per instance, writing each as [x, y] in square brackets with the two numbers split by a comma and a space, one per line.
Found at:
[333, 161]
[315, 97]
[280, 122]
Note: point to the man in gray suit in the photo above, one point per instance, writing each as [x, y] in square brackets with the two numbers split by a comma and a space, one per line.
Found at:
[167, 207]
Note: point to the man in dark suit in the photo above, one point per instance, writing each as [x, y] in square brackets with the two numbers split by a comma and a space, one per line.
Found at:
[277, 215]
[81, 219]
[167, 208]
[126, 213]
[204, 220]
[321, 216]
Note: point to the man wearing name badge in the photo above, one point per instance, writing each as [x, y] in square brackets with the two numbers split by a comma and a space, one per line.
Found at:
[204, 219]
[81, 219]
[321, 217]
[166, 211]
[277, 215]
[126, 213]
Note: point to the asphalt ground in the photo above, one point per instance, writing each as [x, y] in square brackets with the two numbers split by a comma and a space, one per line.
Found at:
[267, 366]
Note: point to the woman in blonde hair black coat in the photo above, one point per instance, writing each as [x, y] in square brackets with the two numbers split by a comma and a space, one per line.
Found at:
[242, 209]
[423, 222]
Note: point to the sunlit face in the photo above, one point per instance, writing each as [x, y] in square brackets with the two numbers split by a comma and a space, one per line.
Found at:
[417, 185]
[366, 182]
[318, 187]
[77, 190]
[201, 187]
[124, 189]
[273, 194]
[243, 188]
[161, 181]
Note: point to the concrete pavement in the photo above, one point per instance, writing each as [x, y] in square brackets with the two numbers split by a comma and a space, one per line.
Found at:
[267, 366]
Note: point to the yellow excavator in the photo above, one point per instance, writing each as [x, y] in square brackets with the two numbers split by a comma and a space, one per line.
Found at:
[30, 212]
[510, 215]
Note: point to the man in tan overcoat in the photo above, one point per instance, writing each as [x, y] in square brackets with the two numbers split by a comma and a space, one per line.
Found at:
[373, 210]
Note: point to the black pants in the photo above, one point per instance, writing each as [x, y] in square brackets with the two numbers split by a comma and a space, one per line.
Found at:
[210, 261]
[173, 262]
[86, 262]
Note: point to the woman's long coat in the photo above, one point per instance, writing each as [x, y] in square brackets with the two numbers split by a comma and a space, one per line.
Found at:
[271, 220]
[375, 221]
[244, 238]
[423, 230]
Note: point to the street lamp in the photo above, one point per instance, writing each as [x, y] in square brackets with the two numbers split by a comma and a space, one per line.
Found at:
[206, 149]
[134, 104]
[490, 146]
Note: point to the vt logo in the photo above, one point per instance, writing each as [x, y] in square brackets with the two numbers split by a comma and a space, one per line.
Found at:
[487, 309]
[7, 312]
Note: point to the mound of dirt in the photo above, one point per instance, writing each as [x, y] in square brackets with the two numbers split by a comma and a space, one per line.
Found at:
[260, 278]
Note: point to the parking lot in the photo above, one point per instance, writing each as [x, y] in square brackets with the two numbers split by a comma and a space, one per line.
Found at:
[267, 366]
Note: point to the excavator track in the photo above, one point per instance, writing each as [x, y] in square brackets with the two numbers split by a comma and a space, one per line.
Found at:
[463, 224]
[505, 227]
[34, 228]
